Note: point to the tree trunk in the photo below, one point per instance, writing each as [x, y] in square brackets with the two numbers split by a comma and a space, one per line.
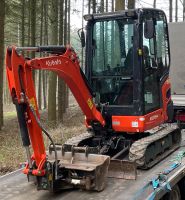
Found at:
[102, 36]
[65, 23]
[183, 10]
[2, 19]
[94, 6]
[65, 42]
[61, 22]
[89, 6]
[170, 10]
[23, 24]
[29, 26]
[53, 76]
[82, 49]
[44, 89]
[68, 39]
[61, 83]
[176, 10]
[40, 72]
[68, 25]
[102, 6]
[112, 6]
[33, 25]
[120, 5]
[131, 4]
[106, 5]
[45, 22]
[33, 29]
[154, 4]
[45, 73]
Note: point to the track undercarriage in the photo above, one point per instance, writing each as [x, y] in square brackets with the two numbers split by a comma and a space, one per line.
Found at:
[84, 161]
[128, 153]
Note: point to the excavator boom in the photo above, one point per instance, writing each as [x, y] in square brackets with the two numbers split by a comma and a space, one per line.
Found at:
[66, 66]
[64, 62]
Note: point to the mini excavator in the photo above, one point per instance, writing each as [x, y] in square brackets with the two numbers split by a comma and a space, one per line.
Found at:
[125, 95]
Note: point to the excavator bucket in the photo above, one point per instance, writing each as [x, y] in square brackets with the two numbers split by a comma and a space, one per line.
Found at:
[85, 169]
[122, 169]
[96, 166]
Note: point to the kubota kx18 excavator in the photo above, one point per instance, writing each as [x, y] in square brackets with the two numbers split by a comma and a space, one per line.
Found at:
[124, 94]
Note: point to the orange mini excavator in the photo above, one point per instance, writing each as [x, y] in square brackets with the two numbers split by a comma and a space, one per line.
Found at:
[124, 94]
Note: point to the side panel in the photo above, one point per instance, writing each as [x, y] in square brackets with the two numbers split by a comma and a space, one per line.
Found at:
[177, 47]
[177, 72]
[132, 124]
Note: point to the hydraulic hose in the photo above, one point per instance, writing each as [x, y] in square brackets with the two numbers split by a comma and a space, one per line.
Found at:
[46, 133]
[38, 120]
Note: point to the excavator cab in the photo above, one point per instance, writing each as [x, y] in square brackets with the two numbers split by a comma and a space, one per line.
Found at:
[127, 66]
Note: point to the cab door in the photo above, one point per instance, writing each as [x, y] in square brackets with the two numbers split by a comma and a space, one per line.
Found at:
[155, 62]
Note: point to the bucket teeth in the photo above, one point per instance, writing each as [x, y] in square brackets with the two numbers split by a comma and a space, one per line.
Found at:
[86, 170]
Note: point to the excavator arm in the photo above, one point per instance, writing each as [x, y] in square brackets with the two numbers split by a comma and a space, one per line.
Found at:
[63, 61]
[66, 66]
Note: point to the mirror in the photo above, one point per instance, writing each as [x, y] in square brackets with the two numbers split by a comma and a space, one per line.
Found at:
[82, 37]
[149, 29]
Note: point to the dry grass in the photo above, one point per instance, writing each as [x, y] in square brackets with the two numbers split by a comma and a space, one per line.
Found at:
[11, 151]
[72, 125]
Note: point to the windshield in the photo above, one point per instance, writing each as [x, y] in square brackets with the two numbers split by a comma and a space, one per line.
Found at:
[112, 69]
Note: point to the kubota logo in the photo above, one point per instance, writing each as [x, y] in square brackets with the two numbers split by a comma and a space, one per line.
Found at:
[154, 117]
[53, 62]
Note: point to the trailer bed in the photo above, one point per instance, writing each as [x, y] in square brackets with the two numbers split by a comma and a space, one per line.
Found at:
[179, 101]
[15, 186]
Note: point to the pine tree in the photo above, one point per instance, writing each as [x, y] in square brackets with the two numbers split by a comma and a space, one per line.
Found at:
[40, 72]
[131, 4]
[2, 19]
[52, 76]
[61, 83]
[94, 6]
[170, 10]
[120, 5]
[176, 10]
[154, 4]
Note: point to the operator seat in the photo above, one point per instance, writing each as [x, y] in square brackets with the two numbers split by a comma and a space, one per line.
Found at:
[146, 56]
[125, 94]
[129, 61]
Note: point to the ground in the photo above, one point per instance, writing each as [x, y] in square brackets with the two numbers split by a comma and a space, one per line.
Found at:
[12, 154]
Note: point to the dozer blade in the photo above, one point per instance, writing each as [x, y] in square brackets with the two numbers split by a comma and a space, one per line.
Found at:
[122, 169]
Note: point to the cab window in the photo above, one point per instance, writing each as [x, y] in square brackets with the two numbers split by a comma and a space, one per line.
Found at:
[156, 63]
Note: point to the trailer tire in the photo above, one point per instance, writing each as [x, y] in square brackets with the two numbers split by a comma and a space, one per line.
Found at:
[174, 194]
[182, 187]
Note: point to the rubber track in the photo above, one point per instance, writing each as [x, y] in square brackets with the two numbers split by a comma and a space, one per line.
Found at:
[138, 148]
[77, 139]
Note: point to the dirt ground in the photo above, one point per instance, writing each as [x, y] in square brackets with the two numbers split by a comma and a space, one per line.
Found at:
[11, 151]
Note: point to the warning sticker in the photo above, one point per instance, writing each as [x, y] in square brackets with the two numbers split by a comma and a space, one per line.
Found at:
[90, 103]
[33, 103]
